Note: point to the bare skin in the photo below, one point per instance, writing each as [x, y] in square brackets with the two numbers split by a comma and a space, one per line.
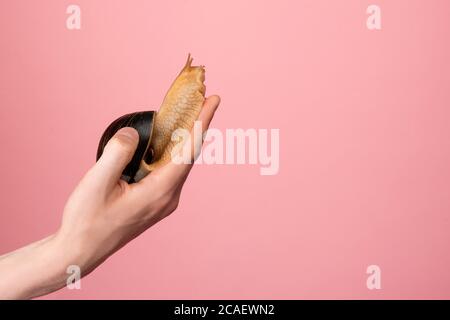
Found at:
[102, 214]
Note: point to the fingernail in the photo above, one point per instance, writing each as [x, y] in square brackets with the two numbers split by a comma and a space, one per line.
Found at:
[128, 132]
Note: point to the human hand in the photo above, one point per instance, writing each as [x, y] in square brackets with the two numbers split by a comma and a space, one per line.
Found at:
[104, 213]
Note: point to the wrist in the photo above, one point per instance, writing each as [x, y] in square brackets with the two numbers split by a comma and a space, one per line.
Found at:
[71, 251]
[81, 248]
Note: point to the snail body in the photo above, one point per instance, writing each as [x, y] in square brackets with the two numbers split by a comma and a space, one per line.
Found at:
[179, 110]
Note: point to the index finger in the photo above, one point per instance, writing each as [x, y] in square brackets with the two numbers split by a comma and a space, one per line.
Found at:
[177, 172]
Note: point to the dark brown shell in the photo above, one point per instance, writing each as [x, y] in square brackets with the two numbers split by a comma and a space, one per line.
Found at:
[143, 122]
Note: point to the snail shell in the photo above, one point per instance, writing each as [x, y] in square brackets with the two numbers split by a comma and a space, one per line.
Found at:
[179, 110]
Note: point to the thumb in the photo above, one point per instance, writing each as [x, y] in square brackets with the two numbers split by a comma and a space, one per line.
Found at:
[117, 153]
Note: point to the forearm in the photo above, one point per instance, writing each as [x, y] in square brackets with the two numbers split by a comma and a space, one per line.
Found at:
[34, 270]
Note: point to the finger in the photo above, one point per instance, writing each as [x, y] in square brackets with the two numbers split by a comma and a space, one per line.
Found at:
[193, 144]
[172, 173]
[117, 153]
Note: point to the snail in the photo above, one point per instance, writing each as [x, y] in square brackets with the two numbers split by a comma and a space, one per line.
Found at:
[179, 110]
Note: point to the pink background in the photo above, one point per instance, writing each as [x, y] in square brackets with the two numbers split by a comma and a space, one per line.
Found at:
[364, 135]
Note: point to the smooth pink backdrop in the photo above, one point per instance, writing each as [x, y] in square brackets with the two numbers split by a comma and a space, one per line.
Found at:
[364, 125]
